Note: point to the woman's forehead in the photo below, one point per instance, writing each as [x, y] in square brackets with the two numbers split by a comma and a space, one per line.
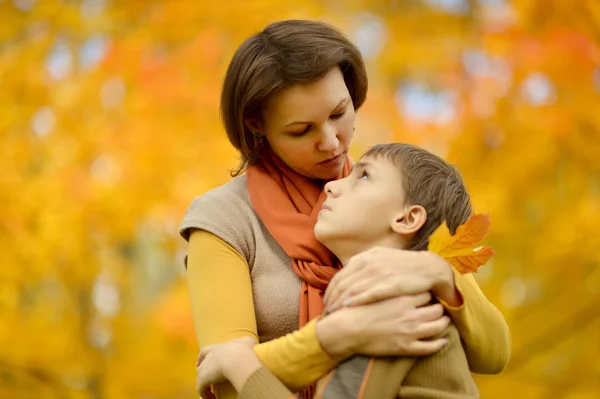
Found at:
[302, 101]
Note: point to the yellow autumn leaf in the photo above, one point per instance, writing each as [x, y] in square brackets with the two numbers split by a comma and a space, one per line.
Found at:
[463, 250]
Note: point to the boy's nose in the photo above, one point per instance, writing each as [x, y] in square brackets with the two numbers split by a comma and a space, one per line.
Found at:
[331, 189]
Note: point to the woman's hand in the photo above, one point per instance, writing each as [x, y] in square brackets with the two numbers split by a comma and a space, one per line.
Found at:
[232, 361]
[400, 326]
[383, 273]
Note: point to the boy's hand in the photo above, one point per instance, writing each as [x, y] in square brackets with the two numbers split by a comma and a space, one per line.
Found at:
[234, 361]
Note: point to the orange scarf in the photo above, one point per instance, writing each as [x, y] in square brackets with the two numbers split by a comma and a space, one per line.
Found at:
[288, 204]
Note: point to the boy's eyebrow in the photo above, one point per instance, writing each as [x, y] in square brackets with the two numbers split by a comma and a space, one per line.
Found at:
[362, 164]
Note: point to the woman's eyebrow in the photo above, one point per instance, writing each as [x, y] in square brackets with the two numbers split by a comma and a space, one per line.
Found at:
[346, 99]
[342, 102]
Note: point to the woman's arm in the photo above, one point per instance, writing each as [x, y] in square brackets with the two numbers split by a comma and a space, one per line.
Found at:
[383, 273]
[300, 358]
[372, 329]
[221, 296]
[401, 326]
[482, 327]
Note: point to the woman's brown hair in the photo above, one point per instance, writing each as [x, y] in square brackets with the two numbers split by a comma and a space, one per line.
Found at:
[285, 53]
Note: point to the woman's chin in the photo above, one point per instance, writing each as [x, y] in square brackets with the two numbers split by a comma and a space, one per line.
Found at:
[328, 174]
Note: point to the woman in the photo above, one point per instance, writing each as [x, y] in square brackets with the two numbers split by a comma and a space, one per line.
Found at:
[288, 105]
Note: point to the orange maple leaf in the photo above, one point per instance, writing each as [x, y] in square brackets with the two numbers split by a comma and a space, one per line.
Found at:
[463, 250]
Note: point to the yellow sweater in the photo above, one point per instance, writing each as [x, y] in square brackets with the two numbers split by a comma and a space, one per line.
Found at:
[222, 305]
[443, 375]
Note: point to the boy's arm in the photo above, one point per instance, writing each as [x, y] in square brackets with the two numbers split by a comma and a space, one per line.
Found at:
[444, 375]
[245, 372]
[261, 384]
[236, 362]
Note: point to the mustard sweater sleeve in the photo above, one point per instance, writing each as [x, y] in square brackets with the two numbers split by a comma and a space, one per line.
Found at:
[223, 309]
[482, 327]
[221, 295]
[296, 359]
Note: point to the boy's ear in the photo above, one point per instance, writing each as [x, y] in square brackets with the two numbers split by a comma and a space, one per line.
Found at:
[410, 220]
[254, 125]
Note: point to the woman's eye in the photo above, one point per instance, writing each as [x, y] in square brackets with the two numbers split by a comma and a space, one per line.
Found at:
[338, 115]
[301, 133]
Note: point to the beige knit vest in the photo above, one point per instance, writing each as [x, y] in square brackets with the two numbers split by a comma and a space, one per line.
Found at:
[227, 212]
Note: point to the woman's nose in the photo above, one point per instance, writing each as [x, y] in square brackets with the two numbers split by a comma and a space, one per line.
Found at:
[329, 140]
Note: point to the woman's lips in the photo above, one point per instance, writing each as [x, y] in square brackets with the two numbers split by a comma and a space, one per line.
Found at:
[333, 162]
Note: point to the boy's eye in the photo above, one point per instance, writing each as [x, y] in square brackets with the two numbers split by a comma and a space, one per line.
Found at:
[364, 175]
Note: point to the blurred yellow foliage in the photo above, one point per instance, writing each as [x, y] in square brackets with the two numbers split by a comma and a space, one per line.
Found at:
[109, 125]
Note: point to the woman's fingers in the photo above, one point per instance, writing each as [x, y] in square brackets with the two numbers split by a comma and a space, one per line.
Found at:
[430, 312]
[348, 296]
[356, 270]
[394, 327]
[365, 295]
[379, 274]
[341, 283]
[421, 299]
[366, 289]
[432, 328]
[424, 348]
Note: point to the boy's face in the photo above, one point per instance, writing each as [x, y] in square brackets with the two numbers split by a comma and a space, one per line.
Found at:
[360, 208]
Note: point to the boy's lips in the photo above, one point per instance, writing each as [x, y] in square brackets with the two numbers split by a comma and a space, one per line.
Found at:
[324, 209]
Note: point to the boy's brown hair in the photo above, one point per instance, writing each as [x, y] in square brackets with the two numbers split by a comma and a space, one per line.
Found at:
[285, 53]
[431, 182]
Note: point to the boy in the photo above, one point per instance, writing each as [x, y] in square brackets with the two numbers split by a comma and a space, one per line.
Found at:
[396, 196]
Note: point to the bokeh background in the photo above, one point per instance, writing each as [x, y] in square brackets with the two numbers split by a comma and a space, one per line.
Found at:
[109, 127]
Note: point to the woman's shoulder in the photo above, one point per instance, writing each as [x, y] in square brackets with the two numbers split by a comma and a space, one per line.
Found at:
[236, 188]
[231, 193]
[225, 211]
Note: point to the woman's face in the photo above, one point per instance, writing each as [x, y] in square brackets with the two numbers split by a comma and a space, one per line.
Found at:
[310, 126]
